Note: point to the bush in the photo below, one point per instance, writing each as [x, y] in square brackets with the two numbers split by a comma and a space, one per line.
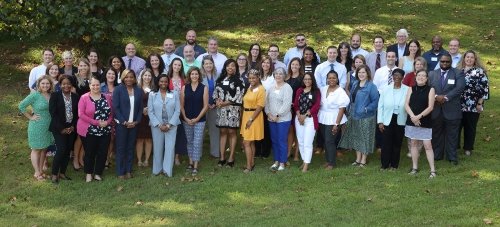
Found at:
[94, 20]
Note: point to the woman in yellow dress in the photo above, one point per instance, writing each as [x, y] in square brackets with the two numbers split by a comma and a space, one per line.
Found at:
[252, 123]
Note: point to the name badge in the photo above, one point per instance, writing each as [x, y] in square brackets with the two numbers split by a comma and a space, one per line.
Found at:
[255, 90]
[276, 92]
[451, 81]
[170, 95]
[310, 96]
[434, 59]
[225, 83]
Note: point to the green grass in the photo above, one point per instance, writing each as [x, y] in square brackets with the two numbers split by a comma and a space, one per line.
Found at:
[463, 195]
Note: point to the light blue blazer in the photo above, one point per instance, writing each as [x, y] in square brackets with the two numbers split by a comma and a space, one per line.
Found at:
[386, 106]
[155, 105]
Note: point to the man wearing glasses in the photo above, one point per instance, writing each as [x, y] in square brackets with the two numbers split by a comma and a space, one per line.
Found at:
[401, 47]
[274, 51]
[448, 83]
[433, 55]
[297, 51]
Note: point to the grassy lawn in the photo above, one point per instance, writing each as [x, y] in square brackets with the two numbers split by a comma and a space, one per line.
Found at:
[463, 195]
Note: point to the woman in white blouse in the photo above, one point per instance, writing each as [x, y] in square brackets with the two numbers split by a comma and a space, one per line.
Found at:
[278, 110]
[334, 101]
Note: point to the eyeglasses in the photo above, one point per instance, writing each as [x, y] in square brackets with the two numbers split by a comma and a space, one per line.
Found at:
[445, 61]
[300, 40]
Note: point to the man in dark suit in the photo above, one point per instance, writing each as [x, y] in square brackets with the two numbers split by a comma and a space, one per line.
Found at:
[446, 116]
[401, 47]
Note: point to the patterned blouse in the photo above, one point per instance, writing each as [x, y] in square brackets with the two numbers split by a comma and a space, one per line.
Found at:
[305, 102]
[68, 108]
[102, 112]
[476, 87]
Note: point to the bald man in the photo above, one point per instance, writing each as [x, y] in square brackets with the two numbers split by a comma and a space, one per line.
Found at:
[189, 60]
[169, 55]
[190, 41]
[133, 62]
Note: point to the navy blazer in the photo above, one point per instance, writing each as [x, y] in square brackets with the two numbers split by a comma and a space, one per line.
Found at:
[394, 48]
[121, 104]
[57, 110]
[455, 84]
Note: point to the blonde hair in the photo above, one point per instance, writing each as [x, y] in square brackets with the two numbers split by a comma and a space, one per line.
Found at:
[67, 54]
[45, 77]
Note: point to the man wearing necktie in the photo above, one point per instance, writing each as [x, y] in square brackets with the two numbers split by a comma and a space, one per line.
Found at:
[449, 84]
[383, 76]
[133, 62]
[330, 64]
[376, 59]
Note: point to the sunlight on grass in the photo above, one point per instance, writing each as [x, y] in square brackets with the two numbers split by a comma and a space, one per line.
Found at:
[172, 206]
[488, 175]
[244, 198]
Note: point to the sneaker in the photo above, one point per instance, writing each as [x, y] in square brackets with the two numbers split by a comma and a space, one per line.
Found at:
[274, 167]
[281, 168]
[194, 172]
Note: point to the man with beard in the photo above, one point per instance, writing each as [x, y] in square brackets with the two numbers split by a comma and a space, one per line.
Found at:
[298, 50]
[433, 55]
[356, 46]
[447, 114]
[191, 41]
[169, 55]
[189, 60]
[213, 50]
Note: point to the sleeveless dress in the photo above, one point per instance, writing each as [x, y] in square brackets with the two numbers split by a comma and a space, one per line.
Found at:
[419, 100]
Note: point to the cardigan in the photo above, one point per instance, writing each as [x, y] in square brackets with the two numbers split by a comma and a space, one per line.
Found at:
[86, 110]
[315, 107]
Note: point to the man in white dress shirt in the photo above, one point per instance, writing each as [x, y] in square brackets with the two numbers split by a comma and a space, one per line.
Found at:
[330, 64]
[39, 71]
[356, 46]
[169, 55]
[213, 50]
[274, 51]
[383, 75]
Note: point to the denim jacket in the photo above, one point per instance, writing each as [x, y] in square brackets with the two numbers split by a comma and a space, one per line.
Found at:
[366, 101]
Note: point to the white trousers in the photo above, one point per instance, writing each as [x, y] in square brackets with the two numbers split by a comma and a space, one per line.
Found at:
[305, 135]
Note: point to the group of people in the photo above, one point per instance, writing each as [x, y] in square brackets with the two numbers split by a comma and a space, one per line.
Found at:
[355, 100]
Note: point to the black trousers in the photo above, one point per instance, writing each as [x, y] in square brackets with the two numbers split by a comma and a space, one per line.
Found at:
[64, 144]
[445, 137]
[263, 147]
[320, 140]
[330, 143]
[469, 124]
[392, 139]
[96, 150]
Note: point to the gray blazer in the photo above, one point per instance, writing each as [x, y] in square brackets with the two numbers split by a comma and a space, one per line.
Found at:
[155, 105]
[455, 84]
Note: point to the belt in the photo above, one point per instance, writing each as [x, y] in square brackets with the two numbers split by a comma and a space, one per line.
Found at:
[250, 109]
